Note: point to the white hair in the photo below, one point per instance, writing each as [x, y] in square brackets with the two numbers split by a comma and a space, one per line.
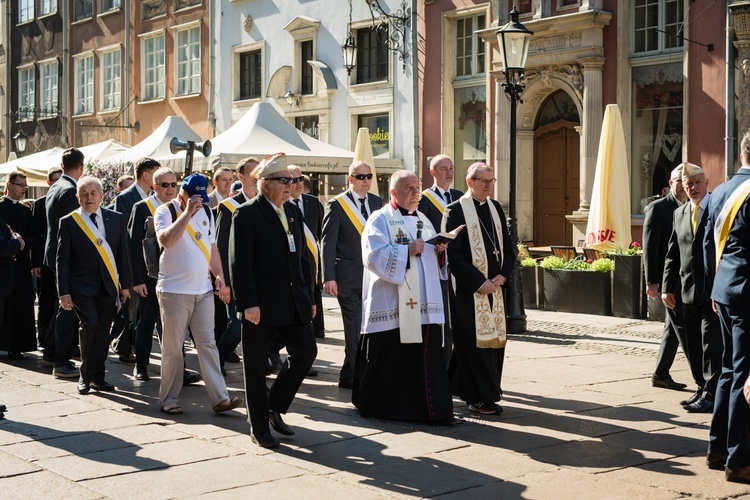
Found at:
[88, 180]
[397, 176]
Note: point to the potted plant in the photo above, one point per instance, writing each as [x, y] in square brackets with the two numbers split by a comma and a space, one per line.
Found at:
[628, 288]
[577, 285]
[533, 296]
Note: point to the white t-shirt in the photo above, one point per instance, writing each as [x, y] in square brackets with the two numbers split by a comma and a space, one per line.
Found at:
[183, 268]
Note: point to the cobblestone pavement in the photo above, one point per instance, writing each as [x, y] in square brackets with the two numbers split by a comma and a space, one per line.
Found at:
[581, 420]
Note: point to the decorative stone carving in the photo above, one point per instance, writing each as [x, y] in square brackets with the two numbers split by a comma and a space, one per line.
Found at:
[555, 43]
[741, 17]
[247, 24]
[569, 73]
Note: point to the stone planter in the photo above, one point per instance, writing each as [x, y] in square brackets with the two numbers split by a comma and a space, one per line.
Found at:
[533, 287]
[584, 292]
[628, 288]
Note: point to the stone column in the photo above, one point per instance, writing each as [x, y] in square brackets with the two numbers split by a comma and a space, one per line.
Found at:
[741, 16]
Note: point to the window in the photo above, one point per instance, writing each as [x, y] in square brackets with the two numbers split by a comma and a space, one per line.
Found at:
[380, 135]
[106, 5]
[83, 9]
[306, 54]
[469, 46]
[250, 75]
[651, 19]
[372, 55]
[470, 130]
[48, 90]
[188, 64]
[153, 67]
[84, 85]
[308, 125]
[110, 71]
[26, 87]
[25, 10]
[49, 7]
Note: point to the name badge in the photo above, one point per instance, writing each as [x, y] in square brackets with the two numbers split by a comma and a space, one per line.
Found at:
[290, 238]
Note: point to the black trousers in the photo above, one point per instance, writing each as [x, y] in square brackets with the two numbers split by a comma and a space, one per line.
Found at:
[47, 295]
[674, 336]
[95, 314]
[302, 349]
[319, 319]
[704, 345]
[350, 301]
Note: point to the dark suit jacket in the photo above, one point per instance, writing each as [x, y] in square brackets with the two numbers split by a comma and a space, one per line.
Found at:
[136, 234]
[683, 266]
[125, 201]
[657, 228]
[728, 283]
[39, 223]
[9, 247]
[428, 208]
[342, 245]
[313, 214]
[61, 200]
[223, 227]
[19, 217]
[264, 273]
[80, 269]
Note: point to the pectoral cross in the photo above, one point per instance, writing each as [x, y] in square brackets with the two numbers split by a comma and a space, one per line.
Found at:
[411, 303]
[497, 254]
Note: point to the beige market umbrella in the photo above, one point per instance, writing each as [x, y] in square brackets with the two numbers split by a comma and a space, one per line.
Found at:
[363, 152]
[609, 215]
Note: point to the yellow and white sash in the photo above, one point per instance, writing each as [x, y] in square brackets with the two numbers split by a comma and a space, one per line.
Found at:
[196, 234]
[100, 243]
[312, 245]
[231, 204]
[409, 304]
[491, 329]
[436, 200]
[352, 211]
[152, 203]
[725, 220]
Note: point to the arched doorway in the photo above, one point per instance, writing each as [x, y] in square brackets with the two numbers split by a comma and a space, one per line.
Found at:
[556, 169]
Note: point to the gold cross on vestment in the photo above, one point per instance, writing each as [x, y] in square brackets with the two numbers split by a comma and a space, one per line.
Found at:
[411, 303]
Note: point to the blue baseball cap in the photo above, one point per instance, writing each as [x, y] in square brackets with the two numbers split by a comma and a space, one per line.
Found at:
[236, 186]
[195, 184]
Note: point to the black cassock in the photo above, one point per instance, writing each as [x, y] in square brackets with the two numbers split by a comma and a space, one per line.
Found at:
[18, 329]
[475, 373]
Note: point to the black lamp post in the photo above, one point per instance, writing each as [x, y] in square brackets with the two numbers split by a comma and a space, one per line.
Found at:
[20, 141]
[513, 40]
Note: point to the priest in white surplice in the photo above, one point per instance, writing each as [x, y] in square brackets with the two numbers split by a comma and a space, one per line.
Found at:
[400, 372]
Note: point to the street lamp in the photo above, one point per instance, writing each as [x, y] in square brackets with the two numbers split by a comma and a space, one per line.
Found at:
[513, 40]
[20, 140]
[350, 47]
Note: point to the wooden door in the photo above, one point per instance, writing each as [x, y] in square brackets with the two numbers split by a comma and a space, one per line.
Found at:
[556, 182]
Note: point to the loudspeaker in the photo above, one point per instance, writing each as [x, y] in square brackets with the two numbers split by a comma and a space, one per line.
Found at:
[176, 145]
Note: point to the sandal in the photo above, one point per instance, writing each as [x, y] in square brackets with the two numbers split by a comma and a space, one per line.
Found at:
[228, 404]
[172, 409]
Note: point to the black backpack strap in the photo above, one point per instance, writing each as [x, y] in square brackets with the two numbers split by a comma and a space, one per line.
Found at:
[172, 211]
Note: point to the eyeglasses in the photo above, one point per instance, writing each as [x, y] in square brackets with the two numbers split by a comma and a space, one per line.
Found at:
[486, 182]
[295, 180]
[361, 177]
[166, 185]
[25, 186]
[283, 180]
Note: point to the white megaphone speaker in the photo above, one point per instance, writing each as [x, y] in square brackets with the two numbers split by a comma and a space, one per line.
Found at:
[176, 145]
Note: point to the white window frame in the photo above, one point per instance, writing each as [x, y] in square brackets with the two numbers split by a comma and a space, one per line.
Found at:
[48, 7]
[26, 93]
[25, 11]
[48, 88]
[189, 83]
[110, 73]
[158, 84]
[83, 94]
[476, 44]
[661, 24]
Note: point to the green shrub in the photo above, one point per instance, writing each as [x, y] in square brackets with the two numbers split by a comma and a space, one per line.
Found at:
[553, 262]
[603, 265]
[528, 262]
[577, 265]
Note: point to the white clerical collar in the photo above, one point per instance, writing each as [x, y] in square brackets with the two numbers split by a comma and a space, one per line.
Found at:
[12, 200]
[481, 203]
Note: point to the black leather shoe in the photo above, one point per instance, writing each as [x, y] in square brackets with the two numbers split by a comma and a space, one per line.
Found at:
[716, 461]
[667, 383]
[346, 383]
[16, 355]
[703, 405]
[312, 373]
[191, 378]
[320, 335]
[738, 475]
[692, 399]
[102, 385]
[83, 387]
[265, 440]
[233, 358]
[278, 425]
[141, 374]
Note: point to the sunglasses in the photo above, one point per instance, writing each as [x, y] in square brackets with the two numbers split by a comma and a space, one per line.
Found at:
[295, 180]
[166, 185]
[283, 180]
[361, 177]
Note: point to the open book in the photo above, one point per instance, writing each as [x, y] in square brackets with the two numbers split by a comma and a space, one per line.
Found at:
[446, 237]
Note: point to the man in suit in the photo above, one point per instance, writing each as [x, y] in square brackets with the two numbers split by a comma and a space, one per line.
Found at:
[726, 246]
[92, 270]
[272, 288]
[123, 329]
[657, 228]
[45, 281]
[18, 330]
[61, 200]
[343, 222]
[222, 181]
[230, 338]
[432, 204]
[684, 275]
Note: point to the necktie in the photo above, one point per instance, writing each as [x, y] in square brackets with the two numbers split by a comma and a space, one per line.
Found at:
[694, 217]
[296, 202]
[448, 197]
[282, 217]
[362, 207]
[93, 219]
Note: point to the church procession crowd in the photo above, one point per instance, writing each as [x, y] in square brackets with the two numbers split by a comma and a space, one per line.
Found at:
[420, 280]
